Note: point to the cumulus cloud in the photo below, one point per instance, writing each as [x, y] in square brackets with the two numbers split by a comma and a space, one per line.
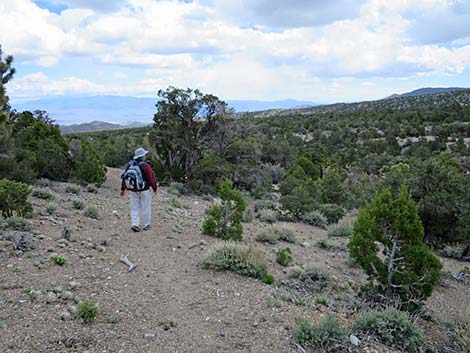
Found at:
[287, 14]
[40, 85]
[99, 5]
[239, 49]
[442, 24]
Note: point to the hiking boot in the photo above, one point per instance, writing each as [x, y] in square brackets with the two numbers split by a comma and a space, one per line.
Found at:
[147, 227]
[135, 228]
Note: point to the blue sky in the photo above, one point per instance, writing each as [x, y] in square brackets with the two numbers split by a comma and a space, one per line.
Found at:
[320, 51]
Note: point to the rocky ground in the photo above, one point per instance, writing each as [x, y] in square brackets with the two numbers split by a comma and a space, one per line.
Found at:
[169, 303]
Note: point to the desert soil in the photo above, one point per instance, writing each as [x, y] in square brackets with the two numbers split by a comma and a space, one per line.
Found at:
[169, 303]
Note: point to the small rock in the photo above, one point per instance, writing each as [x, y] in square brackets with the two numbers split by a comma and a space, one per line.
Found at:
[72, 309]
[221, 334]
[74, 284]
[354, 340]
[51, 297]
[50, 249]
[58, 289]
[202, 242]
[66, 295]
[149, 335]
[3, 301]
[41, 237]
[102, 249]
[306, 244]
[65, 315]
[426, 315]
[255, 324]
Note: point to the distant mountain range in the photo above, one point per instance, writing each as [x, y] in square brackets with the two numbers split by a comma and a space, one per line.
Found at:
[454, 97]
[98, 126]
[427, 90]
[123, 109]
[117, 112]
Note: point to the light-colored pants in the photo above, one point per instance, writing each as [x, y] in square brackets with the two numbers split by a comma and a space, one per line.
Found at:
[141, 202]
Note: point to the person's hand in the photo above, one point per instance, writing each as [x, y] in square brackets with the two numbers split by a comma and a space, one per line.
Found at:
[122, 193]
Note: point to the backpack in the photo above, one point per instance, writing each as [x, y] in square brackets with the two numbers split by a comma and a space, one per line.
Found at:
[133, 177]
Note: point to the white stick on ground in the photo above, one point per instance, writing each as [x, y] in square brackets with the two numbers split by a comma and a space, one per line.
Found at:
[125, 260]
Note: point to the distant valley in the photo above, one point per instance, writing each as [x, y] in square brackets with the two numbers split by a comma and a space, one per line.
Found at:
[85, 114]
[122, 110]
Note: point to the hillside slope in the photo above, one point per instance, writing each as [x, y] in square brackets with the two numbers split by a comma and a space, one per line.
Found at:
[168, 303]
[461, 98]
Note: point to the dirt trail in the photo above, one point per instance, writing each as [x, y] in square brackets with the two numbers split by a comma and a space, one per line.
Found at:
[168, 303]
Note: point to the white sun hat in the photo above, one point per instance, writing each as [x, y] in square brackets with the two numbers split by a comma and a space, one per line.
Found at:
[140, 152]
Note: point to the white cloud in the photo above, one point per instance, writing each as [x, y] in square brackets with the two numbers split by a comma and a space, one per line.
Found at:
[120, 75]
[40, 85]
[197, 44]
[287, 14]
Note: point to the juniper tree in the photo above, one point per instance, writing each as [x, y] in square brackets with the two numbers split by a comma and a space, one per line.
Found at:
[407, 269]
[182, 120]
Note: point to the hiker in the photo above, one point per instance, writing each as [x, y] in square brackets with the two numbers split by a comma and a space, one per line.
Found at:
[138, 177]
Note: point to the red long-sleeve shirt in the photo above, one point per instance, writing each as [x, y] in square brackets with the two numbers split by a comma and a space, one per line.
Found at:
[150, 177]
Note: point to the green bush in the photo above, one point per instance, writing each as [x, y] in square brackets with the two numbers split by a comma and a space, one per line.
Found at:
[314, 218]
[268, 279]
[249, 214]
[327, 333]
[16, 223]
[267, 236]
[459, 336]
[51, 208]
[58, 260]
[43, 194]
[323, 244]
[88, 311]
[40, 146]
[176, 188]
[285, 234]
[284, 257]
[340, 230]
[92, 213]
[391, 327]
[43, 182]
[332, 212]
[300, 194]
[78, 205]
[312, 280]
[442, 193]
[113, 319]
[224, 221]
[409, 269]
[311, 170]
[75, 190]
[88, 167]
[268, 216]
[263, 204]
[332, 189]
[239, 258]
[13, 198]
[456, 251]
